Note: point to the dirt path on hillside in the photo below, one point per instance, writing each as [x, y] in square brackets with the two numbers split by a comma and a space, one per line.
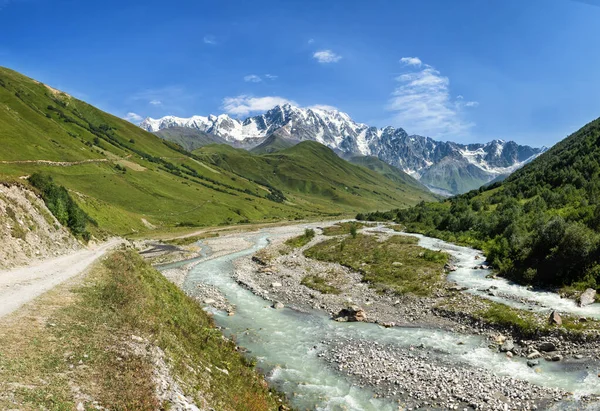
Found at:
[56, 163]
[23, 284]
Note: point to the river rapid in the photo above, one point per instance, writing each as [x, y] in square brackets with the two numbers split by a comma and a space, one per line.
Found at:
[288, 344]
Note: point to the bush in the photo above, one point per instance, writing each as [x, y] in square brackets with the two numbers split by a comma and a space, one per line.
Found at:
[61, 205]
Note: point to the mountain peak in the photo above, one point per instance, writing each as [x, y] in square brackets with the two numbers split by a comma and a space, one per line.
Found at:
[418, 156]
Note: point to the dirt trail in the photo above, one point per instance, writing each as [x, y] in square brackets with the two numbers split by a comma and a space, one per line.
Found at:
[56, 163]
[21, 285]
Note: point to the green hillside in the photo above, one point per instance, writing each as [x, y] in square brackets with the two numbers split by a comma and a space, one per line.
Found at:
[313, 174]
[189, 138]
[383, 168]
[130, 181]
[272, 144]
[541, 225]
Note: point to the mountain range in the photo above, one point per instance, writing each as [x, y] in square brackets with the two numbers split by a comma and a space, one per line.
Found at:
[444, 167]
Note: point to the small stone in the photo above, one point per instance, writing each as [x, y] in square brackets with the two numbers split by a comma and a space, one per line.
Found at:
[556, 357]
[80, 407]
[209, 301]
[555, 318]
[276, 285]
[546, 346]
[509, 354]
[533, 355]
[533, 363]
[278, 305]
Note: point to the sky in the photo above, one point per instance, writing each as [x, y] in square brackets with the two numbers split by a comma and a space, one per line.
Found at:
[460, 70]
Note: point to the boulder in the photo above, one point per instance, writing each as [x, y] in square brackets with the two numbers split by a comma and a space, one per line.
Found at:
[556, 357]
[278, 305]
[507, 346]
[546, 346]
[587, 297]
[555, 318]
[352, 313]
[533, 355]
[533, 363]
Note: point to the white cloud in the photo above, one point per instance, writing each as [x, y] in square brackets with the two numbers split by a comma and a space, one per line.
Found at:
[155, 102]
[133, 117]
[326, 56]
[244, 105]
[252, 78]
[422, 103]
[311, 41]
[210, 39]
[411, 61]
[471, 104]
[271, 76]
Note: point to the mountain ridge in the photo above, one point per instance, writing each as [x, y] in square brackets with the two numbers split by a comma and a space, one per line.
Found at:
[476, 164]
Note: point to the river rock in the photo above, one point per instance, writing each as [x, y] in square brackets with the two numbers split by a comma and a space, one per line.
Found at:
[533, 363]
[533, 355]
[209, 301]
[276, 285]
[555, 318]
[259, 261]
[353, 313]
[556, 357]
[546, 346]
[278, 305]
[507, 346]
[587, 297]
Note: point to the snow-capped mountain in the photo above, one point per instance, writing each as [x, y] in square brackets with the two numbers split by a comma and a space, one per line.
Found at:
[443, 166]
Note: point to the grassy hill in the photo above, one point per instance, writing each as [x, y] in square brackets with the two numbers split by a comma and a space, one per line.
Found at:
[312, 174]
[129, 181]
[189, 138]
[383, 168]
[272, 144]
[541, 225]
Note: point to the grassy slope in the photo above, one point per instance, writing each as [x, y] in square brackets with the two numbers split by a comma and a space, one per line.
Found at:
[383, 168]
[312, 175]
[73, 345]
[272, 144]
[39, 123]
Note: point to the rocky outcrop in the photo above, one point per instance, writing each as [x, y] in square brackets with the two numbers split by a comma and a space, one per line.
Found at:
[28, 230]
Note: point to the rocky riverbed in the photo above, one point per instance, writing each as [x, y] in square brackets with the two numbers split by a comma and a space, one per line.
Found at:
[419, 378]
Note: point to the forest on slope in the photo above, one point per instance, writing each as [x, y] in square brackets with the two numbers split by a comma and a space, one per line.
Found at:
[540, 226]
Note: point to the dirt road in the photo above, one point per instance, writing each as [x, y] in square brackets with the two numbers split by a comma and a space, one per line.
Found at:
[23, 284]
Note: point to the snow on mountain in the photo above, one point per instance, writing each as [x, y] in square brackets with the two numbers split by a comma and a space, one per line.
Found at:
[444, 166]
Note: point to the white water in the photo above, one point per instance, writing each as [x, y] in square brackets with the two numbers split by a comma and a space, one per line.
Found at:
[476, 283]
[286, 344]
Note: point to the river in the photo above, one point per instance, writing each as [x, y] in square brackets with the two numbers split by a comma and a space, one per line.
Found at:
[287, 343]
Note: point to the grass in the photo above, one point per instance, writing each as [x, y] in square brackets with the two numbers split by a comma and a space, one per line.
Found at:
[301, 240]
[397, 264]
[190, 240]
[319, 284]
[342, 228]
[496, 313]
[72, 346]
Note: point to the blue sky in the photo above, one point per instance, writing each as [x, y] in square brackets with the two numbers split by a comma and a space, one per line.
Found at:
[462, 70]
